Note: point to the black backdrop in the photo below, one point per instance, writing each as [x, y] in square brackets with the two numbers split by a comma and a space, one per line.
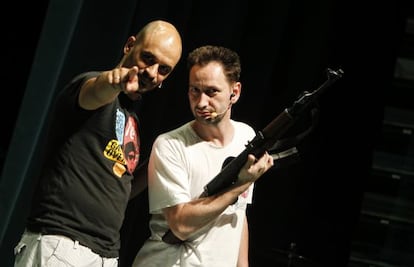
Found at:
[285, 47]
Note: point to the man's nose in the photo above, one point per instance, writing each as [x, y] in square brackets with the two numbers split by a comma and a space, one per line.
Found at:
[152, 70]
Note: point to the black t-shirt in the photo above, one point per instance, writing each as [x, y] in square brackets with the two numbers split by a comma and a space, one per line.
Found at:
[85, 182]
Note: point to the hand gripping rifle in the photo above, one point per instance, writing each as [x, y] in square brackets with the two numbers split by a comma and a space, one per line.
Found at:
[263, 141]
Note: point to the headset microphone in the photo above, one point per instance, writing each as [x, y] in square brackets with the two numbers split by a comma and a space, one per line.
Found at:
[214, 114]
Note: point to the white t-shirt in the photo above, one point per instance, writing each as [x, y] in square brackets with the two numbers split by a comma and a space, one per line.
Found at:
[180, 165]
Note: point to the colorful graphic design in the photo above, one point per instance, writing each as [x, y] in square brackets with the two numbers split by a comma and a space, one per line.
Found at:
[113, 151]
[131, 144]
[119, 126]
[124, 151]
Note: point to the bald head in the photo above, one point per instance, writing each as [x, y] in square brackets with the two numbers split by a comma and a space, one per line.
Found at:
[155, 51]
[164, 35]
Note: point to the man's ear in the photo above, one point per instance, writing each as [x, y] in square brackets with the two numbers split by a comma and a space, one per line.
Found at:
[129, 44]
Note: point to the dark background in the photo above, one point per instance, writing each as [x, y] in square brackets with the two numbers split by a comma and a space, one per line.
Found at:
[285, 48]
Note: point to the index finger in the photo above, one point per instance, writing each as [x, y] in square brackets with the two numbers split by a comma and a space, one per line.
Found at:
[132, 73]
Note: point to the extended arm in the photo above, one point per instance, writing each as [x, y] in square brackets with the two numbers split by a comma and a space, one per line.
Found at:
[187, 218]
[103, 89]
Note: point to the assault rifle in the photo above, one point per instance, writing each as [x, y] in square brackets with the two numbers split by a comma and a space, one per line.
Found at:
[262, 142]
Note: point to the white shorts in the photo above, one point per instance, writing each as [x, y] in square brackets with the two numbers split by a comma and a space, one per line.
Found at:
[35, 249]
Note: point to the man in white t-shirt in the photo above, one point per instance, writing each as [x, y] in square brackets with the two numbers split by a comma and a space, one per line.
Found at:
[211, 231]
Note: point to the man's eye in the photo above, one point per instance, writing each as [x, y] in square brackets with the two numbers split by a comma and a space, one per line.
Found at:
[210, 92]
[164, 70]
[194, 90]
[148, 58]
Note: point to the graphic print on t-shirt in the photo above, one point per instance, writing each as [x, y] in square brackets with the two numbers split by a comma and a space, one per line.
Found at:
[131, 144]
[125, 150]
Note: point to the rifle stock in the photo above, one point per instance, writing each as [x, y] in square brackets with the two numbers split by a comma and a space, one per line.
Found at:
[263, 141]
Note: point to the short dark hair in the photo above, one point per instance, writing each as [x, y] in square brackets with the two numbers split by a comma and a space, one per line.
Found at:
[228, 58]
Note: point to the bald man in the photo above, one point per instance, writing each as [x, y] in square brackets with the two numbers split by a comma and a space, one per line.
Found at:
[85, 182]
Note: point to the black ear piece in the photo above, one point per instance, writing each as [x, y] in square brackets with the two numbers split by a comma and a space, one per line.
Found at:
[232, 95]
